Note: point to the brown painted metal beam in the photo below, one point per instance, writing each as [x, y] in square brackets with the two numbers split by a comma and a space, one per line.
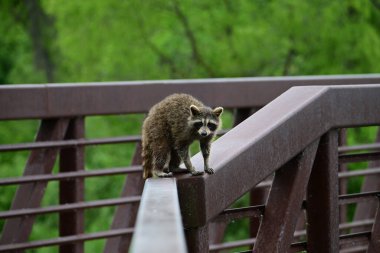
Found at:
[253, 150]
[342, 141]
[197, 239]
[279, 131]
[30, 195]
[257, 147]
[71, 175]
[349, 239]
[69, 143]
[17, 247]
[322, 198]
[71, 100]
[239, 213]
[25, 212]
[284, 203]
[371, 183]
[374, 242]
[72, 190]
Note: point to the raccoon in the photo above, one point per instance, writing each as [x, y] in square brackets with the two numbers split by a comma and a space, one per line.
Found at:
[169, 129]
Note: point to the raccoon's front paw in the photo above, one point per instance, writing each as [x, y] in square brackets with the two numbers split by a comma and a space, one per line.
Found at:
[165, 174]
[210, 171]
[196, 173]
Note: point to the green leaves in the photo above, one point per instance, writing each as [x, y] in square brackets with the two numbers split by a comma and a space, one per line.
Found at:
[135, 40]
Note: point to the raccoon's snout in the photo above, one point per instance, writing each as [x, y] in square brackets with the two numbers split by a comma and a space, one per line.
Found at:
[203, 133]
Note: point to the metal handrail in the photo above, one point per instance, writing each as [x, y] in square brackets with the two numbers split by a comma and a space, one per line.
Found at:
[241, 155]
[159, 224]
[73, 99]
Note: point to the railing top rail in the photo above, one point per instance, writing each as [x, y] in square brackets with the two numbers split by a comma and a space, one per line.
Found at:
[68, 100]
[257, 147]
[159, 223]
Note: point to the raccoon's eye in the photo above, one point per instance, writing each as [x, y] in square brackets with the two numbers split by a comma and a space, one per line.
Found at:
[212, 126]
[198, 125]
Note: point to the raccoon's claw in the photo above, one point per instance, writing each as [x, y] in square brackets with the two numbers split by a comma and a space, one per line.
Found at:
[197, 173]
[210, 171]
[165, 174]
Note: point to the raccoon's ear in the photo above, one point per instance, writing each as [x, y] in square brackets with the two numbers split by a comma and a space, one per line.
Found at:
[194, 110]
[218, 111]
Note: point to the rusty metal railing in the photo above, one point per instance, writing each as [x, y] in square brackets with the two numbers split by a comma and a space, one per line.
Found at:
[63, 108]
[296, 137]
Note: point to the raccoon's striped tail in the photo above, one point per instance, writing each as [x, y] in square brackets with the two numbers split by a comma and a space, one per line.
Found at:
[146, 172]
[147, 163]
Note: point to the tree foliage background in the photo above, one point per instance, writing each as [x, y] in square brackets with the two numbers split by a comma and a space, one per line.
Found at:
[71, 41]
[86, 41]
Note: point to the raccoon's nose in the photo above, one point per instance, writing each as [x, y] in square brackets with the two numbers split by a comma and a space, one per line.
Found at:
[203, 133]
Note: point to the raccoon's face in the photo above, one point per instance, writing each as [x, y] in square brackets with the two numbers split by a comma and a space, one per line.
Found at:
[205, 121]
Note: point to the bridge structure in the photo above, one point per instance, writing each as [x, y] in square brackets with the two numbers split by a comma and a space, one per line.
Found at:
[287, 150]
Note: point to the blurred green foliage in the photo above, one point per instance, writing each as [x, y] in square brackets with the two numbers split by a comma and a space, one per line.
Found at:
[112, 40]
[87, 41]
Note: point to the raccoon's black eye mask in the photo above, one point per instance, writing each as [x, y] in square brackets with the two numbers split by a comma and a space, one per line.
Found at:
[198, 125]
[211, 126]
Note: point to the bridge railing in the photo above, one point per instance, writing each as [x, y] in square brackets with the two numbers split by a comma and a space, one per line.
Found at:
[159, 222]
[295, 138]
[237, 156]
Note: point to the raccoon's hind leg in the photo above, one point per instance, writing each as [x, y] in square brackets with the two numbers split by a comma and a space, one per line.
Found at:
[161, 160]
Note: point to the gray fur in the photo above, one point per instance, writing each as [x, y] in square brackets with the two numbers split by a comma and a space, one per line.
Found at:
[168, 131]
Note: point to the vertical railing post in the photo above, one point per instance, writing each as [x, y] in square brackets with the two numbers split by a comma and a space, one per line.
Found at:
[374, 242]
[71, 191]
[280, 217]
[242, 114]
[192, 200]
[342, 141]
[367, 210]
[257, 196]
[197, 239]
[322, 198]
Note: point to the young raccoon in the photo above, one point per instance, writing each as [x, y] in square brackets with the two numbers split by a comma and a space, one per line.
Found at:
[171, 126]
